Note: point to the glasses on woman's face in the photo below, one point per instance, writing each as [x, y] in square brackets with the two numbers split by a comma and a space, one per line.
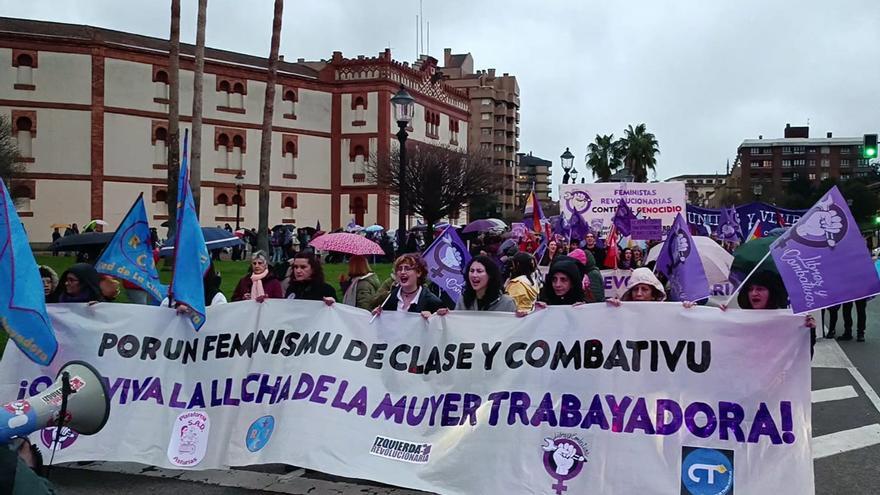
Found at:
[404, 268]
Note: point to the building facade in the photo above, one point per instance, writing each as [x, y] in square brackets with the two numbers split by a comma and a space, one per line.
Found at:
[533, 171]
[768, 164]
[89, 109]
[700, 189]
[494, 121]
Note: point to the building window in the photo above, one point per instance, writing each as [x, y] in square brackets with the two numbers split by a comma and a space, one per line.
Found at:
[289, 152]
[289, 100]
[499, 148]
[235, 161]
[826, 150]
[826, 163]
[844, 150]
[786, 163]
[231, 95]
[486, 131]
[24, 128]
[799, 150]
[160, 147]
[160, 202]
[844, 163]
[231, 144]
[485, 146]
[811, 176]
[485, 116]
[799, 163]
[25, 62]
[453, 131]
[486, 102]
[359, 105]
[756, 151]
[824, 175]
[288, 205]
[812, 163]
[24, 193]
[786, 150]
[160, 85]
[768, 163]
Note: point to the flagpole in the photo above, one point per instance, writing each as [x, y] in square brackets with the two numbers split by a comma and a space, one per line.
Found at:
[383, 302]
[733, 294]
[140, 196]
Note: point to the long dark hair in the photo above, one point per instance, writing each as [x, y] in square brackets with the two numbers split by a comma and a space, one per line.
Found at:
[493, 287]
[315, 263]
[778, 297]
[523, 264]
[212, 284]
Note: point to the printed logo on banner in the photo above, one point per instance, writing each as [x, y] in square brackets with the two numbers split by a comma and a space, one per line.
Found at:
[401, 450]
[65, 439]
[54, 398]
[564, 458]
[259, 433]
[20, 409]
[706, 471]
[577, 202]
[189, 438]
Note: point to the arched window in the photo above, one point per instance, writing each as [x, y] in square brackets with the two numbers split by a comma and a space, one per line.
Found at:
[289, 202]
[160, 146]
[358, 208]
[22, 194]
[223, 150]
[237, 98]
[290, 158]
[160, 84]
[235, 160]
[360, 110]
[290, 99]
[24, 134]
[25, 63]
[224, 88]
[160, 202]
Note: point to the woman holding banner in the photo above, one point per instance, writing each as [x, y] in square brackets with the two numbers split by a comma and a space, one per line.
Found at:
[409, 294]
[213, 295]
[482, 289]
[563, 285]
[644, 286]
[260, 284]
[308, 280]
[80, 283]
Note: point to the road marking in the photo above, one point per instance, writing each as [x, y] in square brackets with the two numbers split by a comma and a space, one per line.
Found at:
[830, 394]
[828, 354]
[845, 441]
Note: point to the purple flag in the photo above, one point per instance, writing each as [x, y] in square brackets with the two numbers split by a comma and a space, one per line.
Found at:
[729, 228]
[823, 259]
[680, 262]
[623, 218]
[446, 258]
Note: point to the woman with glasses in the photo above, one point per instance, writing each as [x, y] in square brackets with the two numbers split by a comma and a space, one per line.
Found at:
[409, 293]
[260, 284]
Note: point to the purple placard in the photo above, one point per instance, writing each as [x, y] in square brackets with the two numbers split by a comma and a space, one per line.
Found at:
[646, 229]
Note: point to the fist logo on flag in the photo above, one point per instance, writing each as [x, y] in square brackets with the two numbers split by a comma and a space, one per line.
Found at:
[824, 226]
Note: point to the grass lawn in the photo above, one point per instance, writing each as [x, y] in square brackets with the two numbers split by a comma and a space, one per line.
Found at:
[230, 271]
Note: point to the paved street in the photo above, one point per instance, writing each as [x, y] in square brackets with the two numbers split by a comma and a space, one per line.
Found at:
[846, 442]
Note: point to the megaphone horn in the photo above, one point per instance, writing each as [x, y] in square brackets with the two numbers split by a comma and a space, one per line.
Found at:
[87, 405]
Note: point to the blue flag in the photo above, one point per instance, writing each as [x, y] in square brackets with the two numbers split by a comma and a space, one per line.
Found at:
[129, 257]
[446, 258]
[680, 262]
[191, 258]
[24, 315]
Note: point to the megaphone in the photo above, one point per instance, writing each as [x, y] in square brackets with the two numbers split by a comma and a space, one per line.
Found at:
[78, 395]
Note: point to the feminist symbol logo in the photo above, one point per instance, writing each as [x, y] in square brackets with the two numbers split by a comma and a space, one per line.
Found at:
[564, 458]
[447, 257]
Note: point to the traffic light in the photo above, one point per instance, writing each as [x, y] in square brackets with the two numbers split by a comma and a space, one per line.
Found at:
[870, 146]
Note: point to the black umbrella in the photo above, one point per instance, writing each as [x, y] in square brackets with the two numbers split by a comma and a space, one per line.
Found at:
[215, 238]
[81, 241]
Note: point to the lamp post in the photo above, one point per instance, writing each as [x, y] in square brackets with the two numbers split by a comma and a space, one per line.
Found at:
[404, 107]
[239, 180]
[567, 164]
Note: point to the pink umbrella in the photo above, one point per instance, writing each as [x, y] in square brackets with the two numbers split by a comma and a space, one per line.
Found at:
[344, 242]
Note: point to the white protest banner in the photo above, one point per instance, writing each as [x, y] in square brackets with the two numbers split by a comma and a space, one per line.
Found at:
[641, 398]
[615, 282]
[596, 203]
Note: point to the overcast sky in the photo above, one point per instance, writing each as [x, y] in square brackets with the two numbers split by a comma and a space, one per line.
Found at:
[703, 75]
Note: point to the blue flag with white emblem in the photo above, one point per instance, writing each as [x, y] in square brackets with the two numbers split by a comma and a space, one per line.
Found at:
[129, 257]
[23, 316]
[191, 258]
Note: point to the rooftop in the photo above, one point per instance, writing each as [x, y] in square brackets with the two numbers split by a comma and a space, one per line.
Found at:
[834, 141]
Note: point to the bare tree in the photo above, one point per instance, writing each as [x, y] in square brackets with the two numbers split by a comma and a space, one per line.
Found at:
[173, 115]
[195, 164]
[10, 167]
[439, 180]
[266, 138]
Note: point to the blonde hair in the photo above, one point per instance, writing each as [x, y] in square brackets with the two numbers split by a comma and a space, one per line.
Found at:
[358, 266]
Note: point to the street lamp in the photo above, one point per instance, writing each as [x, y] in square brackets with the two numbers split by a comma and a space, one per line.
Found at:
[567, 164]
[757, 190]
[239, 181]
[404, 108]
[574, 175]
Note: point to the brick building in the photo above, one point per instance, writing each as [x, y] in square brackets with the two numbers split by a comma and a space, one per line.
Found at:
[89, 109]
[768, 164]
[494, 121]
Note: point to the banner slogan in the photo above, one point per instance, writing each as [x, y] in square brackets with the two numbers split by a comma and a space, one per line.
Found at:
[566, 400]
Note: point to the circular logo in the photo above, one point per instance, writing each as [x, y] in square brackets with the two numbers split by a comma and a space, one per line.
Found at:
[577, 201]
[66, 439]
[680, 248]
[563, 458]
[821, 228]
[707, 472]
[259, 433]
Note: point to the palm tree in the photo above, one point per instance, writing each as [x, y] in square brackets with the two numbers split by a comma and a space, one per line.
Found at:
[604, 157]
[639, 151]
[173, 114]
[266, 139]
[196, 153]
